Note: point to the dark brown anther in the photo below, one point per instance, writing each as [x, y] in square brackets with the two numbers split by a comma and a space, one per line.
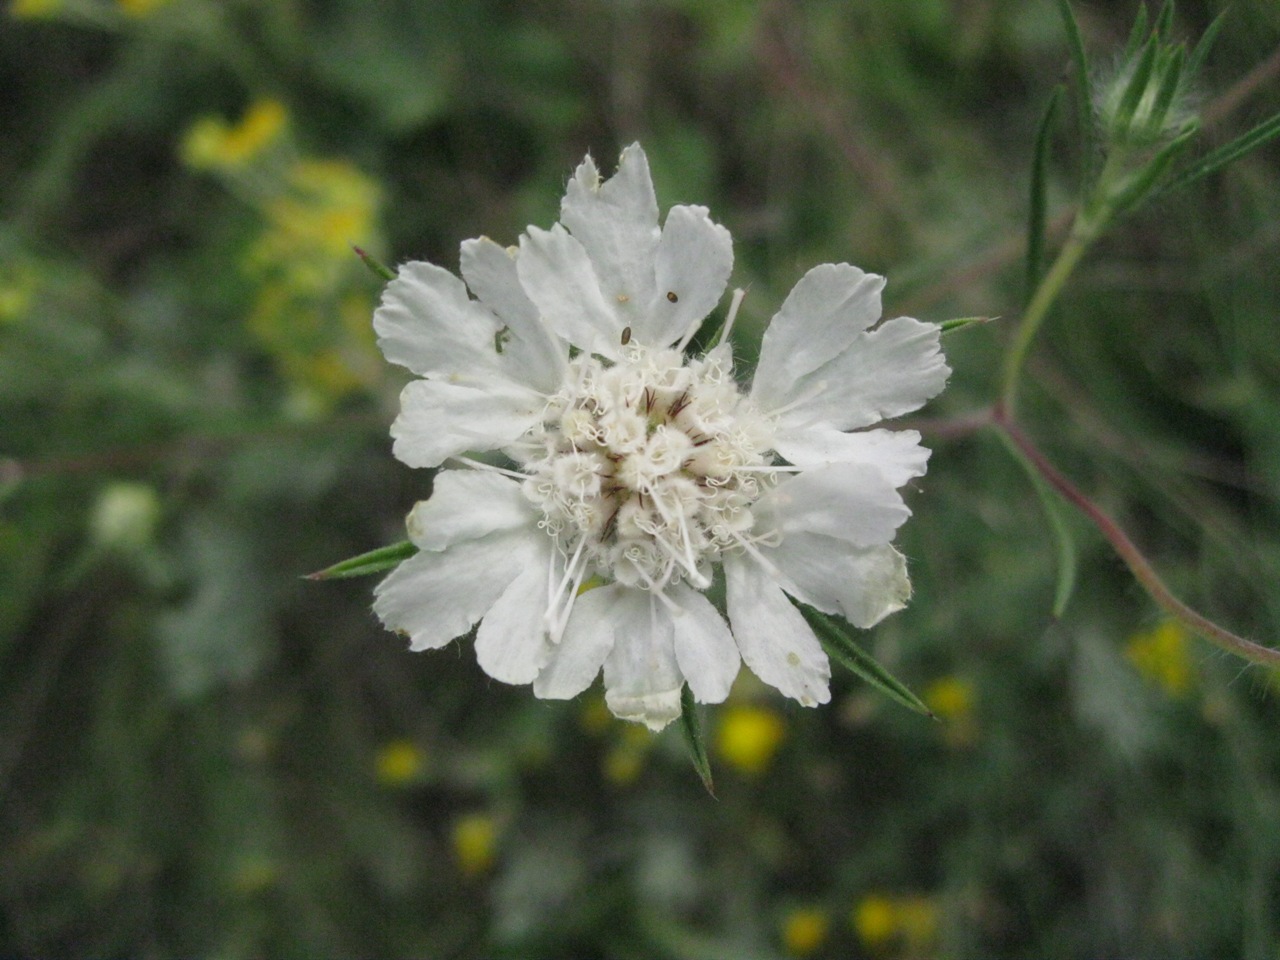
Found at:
[626, 335]
[680, 403]
[671, 296]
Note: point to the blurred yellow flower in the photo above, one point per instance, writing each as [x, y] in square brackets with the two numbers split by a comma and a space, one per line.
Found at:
[474, 839]
[907, 925]
[33, 9]
[140, 8]
[18, 285]
[399, 762]
[594, 717]
[804, 931]
[213, 144]
[952, 698]
[875, 920]
[1163, 656]
[748, 736]
[625, 759]
[125, 516]
[328, 205]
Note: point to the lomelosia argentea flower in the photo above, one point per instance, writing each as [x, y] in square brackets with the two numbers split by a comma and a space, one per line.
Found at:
[631, 471]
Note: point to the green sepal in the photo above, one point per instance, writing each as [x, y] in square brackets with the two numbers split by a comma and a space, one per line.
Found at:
[1206, 43]
[1136, 34]
[375, 561]
[691, 727]
[1140, 186]
[841, 648]
[960, 323]
[1122, 120]
[376, 266]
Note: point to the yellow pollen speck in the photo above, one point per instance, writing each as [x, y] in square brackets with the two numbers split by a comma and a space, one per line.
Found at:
[623, 298]
[793, 659]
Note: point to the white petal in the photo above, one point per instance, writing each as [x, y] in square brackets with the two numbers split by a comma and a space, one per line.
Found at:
[705, 650]
[641, 676]
[849, 501]
[558, 277]
[439, 420]
[822, 316]
[693, 263]
[890, 371]
[897, 454]
[862, 584]
[587, 640]
[617, 222]
[776, 642]
[426, 322]
[436, 596]
[512, 644]
[531, 353]
[467, 505]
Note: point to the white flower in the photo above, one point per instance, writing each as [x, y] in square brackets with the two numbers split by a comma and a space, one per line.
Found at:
[636, 470]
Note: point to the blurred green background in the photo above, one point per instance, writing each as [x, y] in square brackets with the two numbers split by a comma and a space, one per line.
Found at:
[201, 754]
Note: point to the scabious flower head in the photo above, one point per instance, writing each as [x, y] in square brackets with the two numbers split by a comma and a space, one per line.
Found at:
[639, 477]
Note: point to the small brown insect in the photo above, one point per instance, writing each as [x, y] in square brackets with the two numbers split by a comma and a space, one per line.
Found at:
[671, 295]
[626, 335]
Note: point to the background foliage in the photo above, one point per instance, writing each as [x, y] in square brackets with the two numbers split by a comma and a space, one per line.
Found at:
[203, 755]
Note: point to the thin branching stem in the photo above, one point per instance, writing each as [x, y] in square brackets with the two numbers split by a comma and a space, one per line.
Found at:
[1131, 555]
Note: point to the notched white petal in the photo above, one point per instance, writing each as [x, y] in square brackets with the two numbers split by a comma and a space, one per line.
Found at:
[691, 269]
[897, 454]
[559, 278]
[576, 660]
[531, 353]
[705, 649]
[892, 370]
[821, 317]
[439, 420]
[849, 501]
[512, 643]
[467, 505]
[862, 584]
[776, 643]
[641, 676]
[435, 596]
[617, 223]
[428, 323]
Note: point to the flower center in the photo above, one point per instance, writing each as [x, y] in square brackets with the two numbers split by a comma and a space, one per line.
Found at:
[646, 469]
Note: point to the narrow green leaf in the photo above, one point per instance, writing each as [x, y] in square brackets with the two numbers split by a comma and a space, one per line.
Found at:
[375, 561]
[1084, 97]
[1228, 153]
[842, 648]
[1136, 35]
[1133, 93]
[379, 268]
[1170, 80]
[960, 323]
[1164, 20]
[1201, 51]
[691, 727]
[1064, 542]
[1039, 200]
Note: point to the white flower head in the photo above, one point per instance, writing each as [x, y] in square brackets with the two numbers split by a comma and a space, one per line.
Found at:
[636, 471]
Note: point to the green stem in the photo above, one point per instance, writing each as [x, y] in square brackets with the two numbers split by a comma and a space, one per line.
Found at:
[1046, 293]
[1138, 564]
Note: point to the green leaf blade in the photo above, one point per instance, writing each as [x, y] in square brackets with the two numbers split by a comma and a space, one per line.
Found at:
[375, 561]
[691, 727]
[1039, 196]
[842, 648]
